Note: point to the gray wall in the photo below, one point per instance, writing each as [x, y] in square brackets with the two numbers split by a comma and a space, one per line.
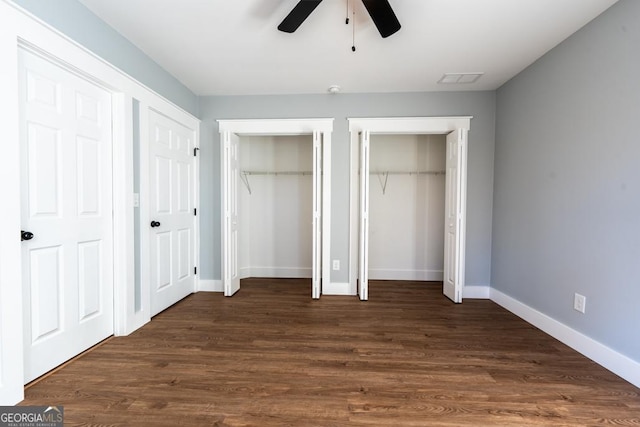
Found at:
[79, 23]
[480, 105]
[567, 181]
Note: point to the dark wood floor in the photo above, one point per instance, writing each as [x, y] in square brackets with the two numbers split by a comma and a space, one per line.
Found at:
[271, 356]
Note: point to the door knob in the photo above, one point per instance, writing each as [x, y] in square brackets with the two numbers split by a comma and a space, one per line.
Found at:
[155, 224]
[25, 235]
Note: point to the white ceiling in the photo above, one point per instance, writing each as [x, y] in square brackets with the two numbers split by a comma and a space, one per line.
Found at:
[232, 47]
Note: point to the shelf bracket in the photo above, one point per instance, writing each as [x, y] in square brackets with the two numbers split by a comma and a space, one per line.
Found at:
[244, 176]
[383, 182]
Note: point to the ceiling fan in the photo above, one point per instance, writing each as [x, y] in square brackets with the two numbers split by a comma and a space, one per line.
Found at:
[380, 11]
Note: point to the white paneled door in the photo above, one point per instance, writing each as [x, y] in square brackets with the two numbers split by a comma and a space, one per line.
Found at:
[171, 211]
[230, 174]
[455, 195]
[67, 254]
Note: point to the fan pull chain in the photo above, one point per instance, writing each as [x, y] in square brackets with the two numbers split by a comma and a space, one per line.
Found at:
[347, 20]
[353, 47]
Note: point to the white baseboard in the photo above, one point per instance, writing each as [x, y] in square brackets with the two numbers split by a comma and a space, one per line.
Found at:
[280, 272]
[476, 292]
[244, 272]
[424, 275]
[210, 286]
[617, 363]
[337, 289]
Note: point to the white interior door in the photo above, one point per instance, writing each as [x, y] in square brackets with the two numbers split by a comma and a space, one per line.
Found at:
[230, 174]
[363, 276]
[316, 273]
[455, 195]
[171, 211]
[67, 266]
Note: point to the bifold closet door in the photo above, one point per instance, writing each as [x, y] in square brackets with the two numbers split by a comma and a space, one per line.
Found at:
[454, 207]
[67, 248]
[317, 216]
[363, 276]
[455, 193]
[230, 176]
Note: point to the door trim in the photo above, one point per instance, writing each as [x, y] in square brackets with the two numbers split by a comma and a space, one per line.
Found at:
[276, 127]
[389, 125]
[11, 336]
[22, 30]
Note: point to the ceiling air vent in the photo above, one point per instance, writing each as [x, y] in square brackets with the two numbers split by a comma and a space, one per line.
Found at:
[459, 78]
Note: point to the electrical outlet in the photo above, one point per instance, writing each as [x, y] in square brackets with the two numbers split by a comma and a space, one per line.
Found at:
[336, 264]
[579, 303]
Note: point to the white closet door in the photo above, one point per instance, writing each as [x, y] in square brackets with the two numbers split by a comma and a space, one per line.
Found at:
[316, 273]
[363, 277]
[171, 203]
[230, 174]
[454, 216]
[67, 265]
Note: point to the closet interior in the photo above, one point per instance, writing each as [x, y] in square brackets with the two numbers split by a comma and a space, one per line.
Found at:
[407, 207]
[275, 206]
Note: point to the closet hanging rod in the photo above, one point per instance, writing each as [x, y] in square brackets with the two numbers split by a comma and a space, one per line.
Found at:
[277, 172]
[244, 175]
[407, 172]
[383, 176]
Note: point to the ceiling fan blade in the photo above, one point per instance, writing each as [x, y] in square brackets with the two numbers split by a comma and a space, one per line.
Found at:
[383, 16]
[298, 14]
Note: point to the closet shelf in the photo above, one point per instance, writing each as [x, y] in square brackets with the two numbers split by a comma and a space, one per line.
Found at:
[244, 175]
[383, 176]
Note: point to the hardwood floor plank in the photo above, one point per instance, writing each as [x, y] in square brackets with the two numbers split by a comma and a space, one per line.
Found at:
[271, 356]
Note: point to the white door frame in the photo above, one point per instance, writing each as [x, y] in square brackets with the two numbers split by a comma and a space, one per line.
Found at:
[21, 30]
[392, 125]
[275, 127]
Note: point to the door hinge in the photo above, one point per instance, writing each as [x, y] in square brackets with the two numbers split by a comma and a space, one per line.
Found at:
[195, 151]
[195, 211]
[195, 270]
